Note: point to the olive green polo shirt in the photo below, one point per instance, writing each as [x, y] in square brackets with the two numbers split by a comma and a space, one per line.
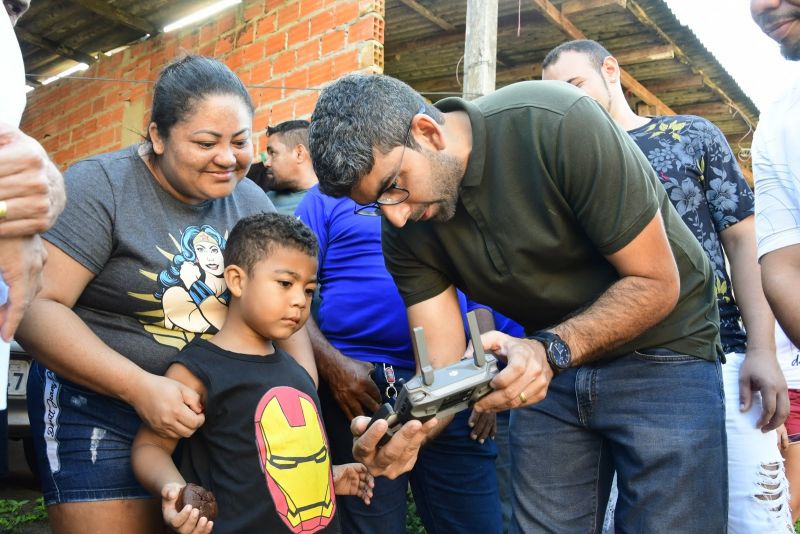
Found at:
[552, 186]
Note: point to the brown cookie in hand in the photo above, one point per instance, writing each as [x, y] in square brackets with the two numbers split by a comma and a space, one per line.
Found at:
[199, 498]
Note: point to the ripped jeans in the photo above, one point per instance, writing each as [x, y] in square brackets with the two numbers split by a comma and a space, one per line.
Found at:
[758, 499]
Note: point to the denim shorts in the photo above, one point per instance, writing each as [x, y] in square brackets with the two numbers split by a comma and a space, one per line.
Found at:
[82, 441]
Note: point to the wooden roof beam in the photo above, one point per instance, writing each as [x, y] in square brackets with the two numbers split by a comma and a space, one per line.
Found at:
[427, 14]
[645, 55]
[642, 17]
[59, 49]
[114, 14]
[561, 22]
[580, 6]
[704, 110]
[692, 81]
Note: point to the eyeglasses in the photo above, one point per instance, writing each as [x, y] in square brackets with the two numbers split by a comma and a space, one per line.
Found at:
[392, 194]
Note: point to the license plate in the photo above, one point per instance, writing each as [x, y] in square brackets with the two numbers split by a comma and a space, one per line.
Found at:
[18, 377]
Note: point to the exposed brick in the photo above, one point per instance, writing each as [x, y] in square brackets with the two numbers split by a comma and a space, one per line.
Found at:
[304, 104]
[276, 43]
[367, 28]
[227, 22]
[346, 62]
[321, 73]
[308, 53]
[296, 80]
[298, 33]
[281, 111]
[260, 72]
[284, 63]
[252, 53]
[372, 6]
[332, 42]
[310, 6]
[288, 15]
[266, 26]
[223, 46]
[253, 10]
[271, 44]
[322, 23]
[346, 12]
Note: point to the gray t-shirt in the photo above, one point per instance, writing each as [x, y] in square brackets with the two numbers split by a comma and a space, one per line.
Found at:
[157, 261]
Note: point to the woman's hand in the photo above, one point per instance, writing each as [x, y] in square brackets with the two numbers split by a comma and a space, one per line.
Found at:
[172, 409]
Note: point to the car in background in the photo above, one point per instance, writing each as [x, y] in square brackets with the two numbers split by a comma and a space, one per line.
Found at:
[18, 423]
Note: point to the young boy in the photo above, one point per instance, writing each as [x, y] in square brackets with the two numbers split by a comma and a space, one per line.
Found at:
[268, 462]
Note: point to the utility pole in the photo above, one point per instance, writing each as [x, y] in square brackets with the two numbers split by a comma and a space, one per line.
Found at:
[480, 48]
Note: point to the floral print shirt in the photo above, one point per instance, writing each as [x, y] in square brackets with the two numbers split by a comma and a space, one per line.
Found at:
[699, 171]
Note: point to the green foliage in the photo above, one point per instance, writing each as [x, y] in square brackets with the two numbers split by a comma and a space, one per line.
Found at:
[413, 522]
[15, 513]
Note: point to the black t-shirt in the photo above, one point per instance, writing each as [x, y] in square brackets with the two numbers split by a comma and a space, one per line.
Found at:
[262, 449]
[552, 187]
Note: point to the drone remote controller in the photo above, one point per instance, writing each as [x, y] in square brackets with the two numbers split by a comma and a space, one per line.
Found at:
[440, 392]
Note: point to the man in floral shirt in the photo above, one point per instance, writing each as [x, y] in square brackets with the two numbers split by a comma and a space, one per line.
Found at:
[700, 174]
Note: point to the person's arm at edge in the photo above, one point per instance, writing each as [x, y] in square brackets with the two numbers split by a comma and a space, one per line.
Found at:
[780, 272]
[760, 370]
[30, 183]
[55, 336]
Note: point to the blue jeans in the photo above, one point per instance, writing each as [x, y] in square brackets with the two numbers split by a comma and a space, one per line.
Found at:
[659, 420]
[453, 481]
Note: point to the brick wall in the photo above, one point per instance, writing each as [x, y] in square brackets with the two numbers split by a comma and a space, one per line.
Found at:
[279, 48]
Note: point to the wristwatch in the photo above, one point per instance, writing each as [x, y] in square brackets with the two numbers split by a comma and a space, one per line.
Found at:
[558, 354]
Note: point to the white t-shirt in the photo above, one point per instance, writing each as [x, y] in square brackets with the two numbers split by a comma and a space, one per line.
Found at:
[12, 104]
[788, 358]
[776, 167]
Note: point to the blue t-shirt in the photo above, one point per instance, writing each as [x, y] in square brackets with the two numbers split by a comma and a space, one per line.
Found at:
[360, 312]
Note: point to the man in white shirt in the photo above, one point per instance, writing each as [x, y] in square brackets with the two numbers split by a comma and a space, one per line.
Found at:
[776, 165]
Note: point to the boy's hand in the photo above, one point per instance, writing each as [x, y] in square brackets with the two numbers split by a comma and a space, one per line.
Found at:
[353, 479]
[170, 408]
[483, 425]
[188, 520]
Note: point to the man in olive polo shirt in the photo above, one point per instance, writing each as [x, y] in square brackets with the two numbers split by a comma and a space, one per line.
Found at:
[532, 201]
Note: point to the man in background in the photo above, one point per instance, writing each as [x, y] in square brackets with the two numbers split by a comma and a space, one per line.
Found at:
[287, 174]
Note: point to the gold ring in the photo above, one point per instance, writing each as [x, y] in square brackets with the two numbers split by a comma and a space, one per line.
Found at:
[523, 399]
[3, 209]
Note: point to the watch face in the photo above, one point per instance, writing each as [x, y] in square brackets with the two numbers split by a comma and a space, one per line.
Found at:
[560, 353]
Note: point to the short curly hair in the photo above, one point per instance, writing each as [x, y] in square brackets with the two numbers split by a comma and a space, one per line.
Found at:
[256, 237]
[354, 115]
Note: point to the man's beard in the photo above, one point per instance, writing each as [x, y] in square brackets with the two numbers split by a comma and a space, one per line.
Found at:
[791, 51]
[446, 174]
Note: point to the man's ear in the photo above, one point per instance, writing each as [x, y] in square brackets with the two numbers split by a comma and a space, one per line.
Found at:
[155, 139]
[300, 153]
[610, 69]
[235, 279]
[427, 131]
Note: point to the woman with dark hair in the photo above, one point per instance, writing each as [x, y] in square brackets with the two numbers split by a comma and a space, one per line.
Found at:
[134, 273]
